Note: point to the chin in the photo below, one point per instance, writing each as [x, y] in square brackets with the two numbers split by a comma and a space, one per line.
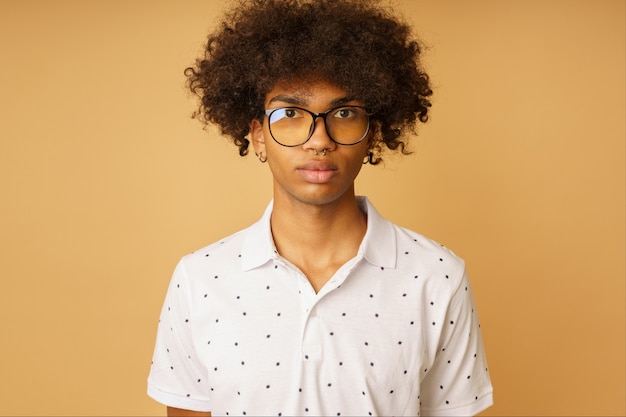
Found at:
[323, 198]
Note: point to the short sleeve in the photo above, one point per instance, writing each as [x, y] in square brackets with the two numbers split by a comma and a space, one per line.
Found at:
[458, 382]
[177, 378]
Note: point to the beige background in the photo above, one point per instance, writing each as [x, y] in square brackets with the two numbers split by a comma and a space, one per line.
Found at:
[105, 182]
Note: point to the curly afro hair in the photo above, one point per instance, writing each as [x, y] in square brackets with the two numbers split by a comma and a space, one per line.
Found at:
[355, 44]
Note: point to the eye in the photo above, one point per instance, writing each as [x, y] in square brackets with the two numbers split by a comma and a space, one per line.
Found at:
[292, 113]
[286, 114]
[345, 113]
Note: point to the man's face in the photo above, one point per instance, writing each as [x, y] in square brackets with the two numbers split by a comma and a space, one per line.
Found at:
[303, 173]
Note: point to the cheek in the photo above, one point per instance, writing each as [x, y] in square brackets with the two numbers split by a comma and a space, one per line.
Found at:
[356, 162]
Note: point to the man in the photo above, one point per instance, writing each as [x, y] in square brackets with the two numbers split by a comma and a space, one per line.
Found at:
[322, 307]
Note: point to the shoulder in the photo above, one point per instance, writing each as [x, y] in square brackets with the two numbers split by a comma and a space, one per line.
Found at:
[434, 261]
[222, 253]
[426, 247]
[408, 252]
[221, 246]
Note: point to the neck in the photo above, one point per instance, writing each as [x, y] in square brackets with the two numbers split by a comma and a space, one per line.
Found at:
[318, 238]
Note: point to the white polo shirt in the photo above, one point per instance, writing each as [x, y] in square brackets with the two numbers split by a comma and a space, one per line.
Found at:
[393, 332]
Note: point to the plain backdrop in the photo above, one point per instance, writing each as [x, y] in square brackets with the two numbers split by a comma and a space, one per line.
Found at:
[106, 181]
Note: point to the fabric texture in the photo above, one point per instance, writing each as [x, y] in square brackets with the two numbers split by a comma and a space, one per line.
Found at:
[393, 332]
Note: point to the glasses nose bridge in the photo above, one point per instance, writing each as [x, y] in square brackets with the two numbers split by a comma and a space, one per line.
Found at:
[322, 116]
[319, 115]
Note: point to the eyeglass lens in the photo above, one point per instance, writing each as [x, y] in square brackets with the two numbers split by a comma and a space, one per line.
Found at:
[293, 126]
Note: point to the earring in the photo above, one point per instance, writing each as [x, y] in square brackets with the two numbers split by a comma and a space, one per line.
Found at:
[260, 156]
[368, 158]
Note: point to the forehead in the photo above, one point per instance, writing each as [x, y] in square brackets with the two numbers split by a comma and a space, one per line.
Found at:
[306, 92]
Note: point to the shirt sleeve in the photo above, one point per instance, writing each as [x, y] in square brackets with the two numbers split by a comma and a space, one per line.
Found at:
[177, 378]
[458, 382]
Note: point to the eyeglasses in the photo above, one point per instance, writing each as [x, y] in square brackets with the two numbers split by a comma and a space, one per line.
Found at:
[294, 126]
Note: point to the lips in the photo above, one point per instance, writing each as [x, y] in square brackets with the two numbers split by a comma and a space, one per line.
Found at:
[317, 172]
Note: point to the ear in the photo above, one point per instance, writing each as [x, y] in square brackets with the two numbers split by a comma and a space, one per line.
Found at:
[256, 134]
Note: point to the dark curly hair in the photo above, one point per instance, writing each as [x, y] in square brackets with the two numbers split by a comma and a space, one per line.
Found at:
[355, 44]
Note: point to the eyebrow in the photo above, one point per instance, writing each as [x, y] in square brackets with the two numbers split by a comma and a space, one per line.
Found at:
[299, 101]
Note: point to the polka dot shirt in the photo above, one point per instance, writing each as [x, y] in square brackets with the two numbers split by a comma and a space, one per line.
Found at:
[393, 332]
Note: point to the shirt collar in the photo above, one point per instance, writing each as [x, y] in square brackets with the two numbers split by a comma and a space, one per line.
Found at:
[379, 243]
[258, 246]
[378, 246]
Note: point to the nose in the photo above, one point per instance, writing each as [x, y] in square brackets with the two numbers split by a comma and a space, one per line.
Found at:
[319, 138]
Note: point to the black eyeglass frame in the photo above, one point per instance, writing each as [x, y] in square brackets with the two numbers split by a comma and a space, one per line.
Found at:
[269, 112]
